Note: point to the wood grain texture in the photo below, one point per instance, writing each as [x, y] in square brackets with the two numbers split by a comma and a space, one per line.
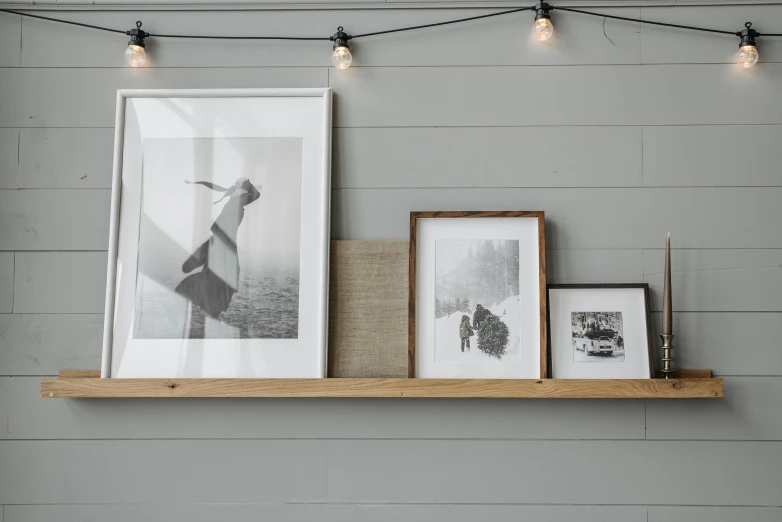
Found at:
[542, 295]
[677, 374]
[411, 294]
[79, 374]
[367, 309]
[31, 418]
[386, 388]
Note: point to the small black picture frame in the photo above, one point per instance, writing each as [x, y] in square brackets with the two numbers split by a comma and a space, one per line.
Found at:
[599, 352]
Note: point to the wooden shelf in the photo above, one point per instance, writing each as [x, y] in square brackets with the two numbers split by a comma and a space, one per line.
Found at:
[688, 384]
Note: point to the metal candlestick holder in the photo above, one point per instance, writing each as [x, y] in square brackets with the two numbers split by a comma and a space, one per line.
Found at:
[667, 368]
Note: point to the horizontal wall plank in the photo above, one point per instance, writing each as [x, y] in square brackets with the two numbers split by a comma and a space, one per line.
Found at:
[71, 219]
[582, 218]
[54, 219]
[728, 343]
[87, 97]
[594, 266]
[714, 514]
[492, 96]
[748, 412]
[688, 260]
[59, 158]
[556, 472]
[487, 157]
[29, 417]
[6, 282]
[42, 344]
[75, 282]
[11, 40]
[718, 280]
[324, 513]
[708, 155]
[60, 282]
[150, 472]
[666, 45]
[509, 38]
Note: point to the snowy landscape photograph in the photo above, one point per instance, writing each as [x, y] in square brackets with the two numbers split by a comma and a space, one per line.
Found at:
[477, 308]
[597, 337]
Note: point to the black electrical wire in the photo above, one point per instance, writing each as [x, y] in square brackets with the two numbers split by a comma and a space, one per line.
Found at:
[442, 23]
[204, 37]
[614, 17]
[389, 31]
[97, 27]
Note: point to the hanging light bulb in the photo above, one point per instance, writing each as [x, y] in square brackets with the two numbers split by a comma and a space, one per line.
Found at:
[341, 57]
[748, 50]
[543, 28]
[135, 54]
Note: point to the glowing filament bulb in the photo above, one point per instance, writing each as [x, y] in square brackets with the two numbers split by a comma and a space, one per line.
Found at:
[543, 29]
[136, 56]
[748, 56]
[341, 57]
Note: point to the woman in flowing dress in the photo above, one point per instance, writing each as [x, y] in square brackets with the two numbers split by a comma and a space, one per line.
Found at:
[212, 288]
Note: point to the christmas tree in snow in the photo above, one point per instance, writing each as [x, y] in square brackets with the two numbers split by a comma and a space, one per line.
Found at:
[493, 337]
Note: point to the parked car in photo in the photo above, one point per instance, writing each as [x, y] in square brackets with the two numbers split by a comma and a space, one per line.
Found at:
[603, 345]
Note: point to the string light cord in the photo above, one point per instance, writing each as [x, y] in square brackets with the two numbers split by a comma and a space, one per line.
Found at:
[389, 31]
[341, 56]
[61, 21]
[437, 24]
[649, 22]
[218, 37]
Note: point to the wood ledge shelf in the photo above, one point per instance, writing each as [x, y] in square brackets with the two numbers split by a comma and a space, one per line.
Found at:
[687, 384]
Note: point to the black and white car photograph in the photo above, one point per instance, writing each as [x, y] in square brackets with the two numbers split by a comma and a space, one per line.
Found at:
[597, 336]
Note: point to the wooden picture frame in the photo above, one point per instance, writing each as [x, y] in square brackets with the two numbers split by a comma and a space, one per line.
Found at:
[603, 286]
[541, 277]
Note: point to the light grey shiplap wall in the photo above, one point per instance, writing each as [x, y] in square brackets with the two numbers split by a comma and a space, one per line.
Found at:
[620, 137]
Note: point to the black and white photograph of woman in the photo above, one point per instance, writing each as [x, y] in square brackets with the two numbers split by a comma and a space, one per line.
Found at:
[219, 239]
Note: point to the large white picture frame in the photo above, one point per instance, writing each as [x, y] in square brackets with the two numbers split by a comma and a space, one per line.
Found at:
[219, 234]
